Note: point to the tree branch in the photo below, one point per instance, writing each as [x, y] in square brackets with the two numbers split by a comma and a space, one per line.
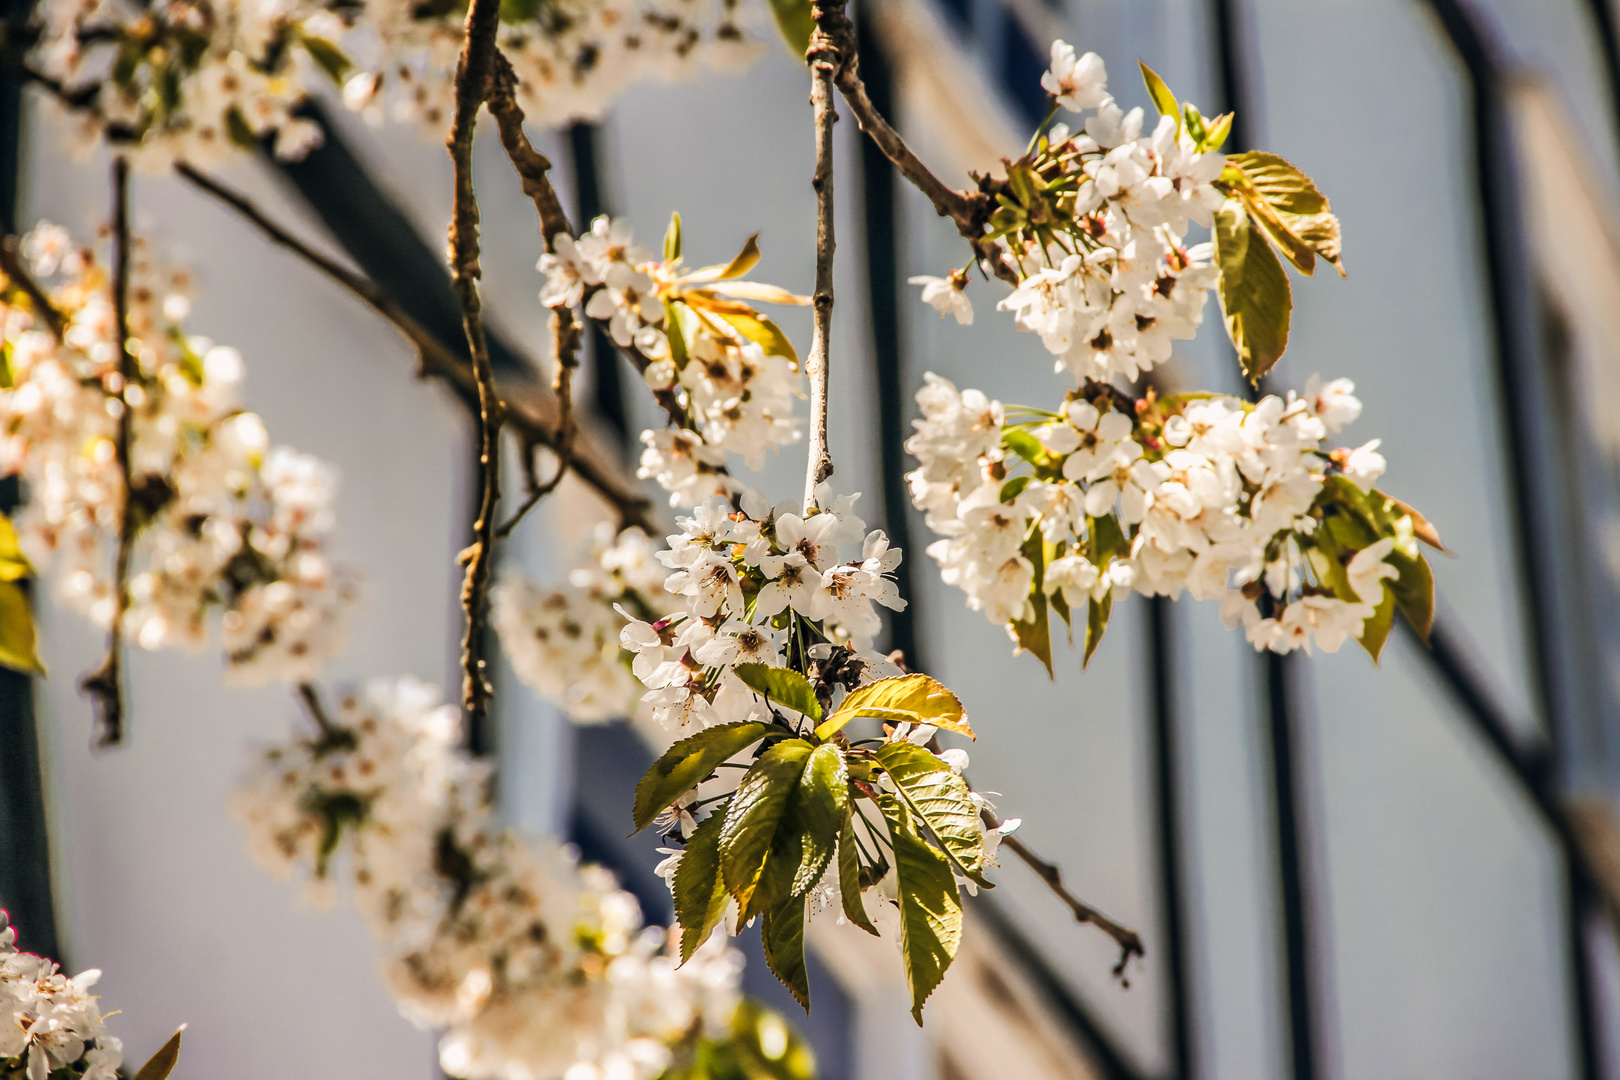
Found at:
[11, 265]
[524, 409]
[1129, 942]
[533, 169]
[104, 685]
[968, 210]
[471, 87]
[825, 57]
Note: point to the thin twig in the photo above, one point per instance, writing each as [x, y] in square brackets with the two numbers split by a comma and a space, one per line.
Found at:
[968, 210]
[317, 712]
[472, 82]
[1129, 942]
[533, 169]
[522, 408]
[565, 337]
[104, 685]
[11, 264]
[825, 58]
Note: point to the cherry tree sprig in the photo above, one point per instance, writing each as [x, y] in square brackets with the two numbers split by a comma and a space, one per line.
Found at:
[528, 963]
[183, 81]
[1045, 513]
[571, 58]
[51, 1025]
[1090, 227]
[219, 520]
[724, 372]
[179, 81]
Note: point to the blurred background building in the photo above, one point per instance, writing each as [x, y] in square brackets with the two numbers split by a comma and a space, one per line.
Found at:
[1403, 872]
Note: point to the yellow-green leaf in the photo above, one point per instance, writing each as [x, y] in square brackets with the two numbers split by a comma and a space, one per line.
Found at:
[330, 58]
[19, 645]
[1254, 293]
[1375, 628]
[913, 699]
[14, 564]
[700, 895]
[782, 685]
[941, 799]
[162, 1063]
[819, 808]
[1297, 206]
[930, 911]
[688, 763]
[795, 21]
[758, 290]
[782, 934]
[1163, 99]
[762, 332]
[750, 829]
[672, 239]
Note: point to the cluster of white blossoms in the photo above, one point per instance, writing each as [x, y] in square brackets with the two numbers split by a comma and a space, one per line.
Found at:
[762, 585]
[530, 964]
[223, 520]
[564, 642]
[1106, 277]
[182, 81]
[572, 58]
[49, 1022]
[1208, 494]
[708, 356]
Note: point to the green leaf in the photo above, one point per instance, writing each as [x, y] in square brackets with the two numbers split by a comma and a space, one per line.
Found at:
[782, 685]
[915, 699]
[237, 129]
[1163, 99]
[795, 21]
[14, 565]
[745, 260]
[941, 799]
[1024, 445]
[930, 911]
[162, 1063]
[819, 808]
[1217, 131]
[1288, 202]
[763, 332]
[1254, 293]
[1296, 203]
[700, 895]
[688, 763]
[1413, 590]
[1035, 634]
[749, 833]
[782, 934]
[672, 239]
[677, 316]
[331, 59]
[1375, 629]
[1014, 487]
[849, 877]
[19, 643]
[1097, 615]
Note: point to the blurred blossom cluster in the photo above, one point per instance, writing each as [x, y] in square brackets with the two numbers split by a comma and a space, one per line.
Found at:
[530, 964]
[222, 520]
[564, 642]
[572, 58]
